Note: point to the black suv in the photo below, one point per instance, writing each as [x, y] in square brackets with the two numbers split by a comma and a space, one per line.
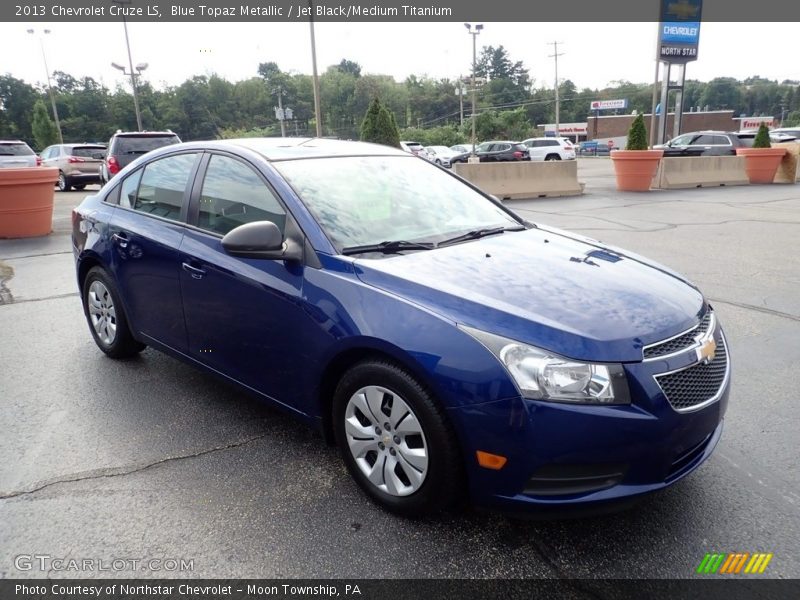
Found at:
[126, 146]
[495, 152]
[704, 143]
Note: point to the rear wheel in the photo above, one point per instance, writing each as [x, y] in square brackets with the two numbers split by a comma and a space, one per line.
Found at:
[63, 182]
[80, 187]
[552, 157]
[106, 317]
[396, 442]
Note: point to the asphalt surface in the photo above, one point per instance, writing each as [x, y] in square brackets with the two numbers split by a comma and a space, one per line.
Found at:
[148, 458]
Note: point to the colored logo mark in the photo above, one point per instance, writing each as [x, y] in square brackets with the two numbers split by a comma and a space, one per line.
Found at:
[734, 563]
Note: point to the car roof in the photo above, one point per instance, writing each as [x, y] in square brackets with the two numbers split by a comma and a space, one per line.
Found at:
[11, 142]
[143, 133]
[276, 149]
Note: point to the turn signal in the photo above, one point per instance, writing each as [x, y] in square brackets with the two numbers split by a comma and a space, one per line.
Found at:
[491, 461]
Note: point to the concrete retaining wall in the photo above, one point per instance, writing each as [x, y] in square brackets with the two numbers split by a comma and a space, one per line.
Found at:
[788, 172]
[700, 171]
[511, 180]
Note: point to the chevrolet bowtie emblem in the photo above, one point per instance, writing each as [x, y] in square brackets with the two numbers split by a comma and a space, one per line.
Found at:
[682, 10]
[707, 350]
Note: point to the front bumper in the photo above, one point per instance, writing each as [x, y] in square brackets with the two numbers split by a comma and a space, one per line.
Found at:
[570, 455]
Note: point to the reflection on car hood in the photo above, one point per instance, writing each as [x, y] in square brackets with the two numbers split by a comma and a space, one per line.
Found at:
[546, 287]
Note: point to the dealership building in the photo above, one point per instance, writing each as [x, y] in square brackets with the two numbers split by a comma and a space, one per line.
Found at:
[615, 127]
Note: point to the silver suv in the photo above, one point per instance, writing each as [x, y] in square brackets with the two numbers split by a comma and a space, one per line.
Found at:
[16, 154]
[77, 164]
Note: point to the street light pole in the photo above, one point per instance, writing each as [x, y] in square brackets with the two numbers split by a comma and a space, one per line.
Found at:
[130, 62]
[555, 55]
[474, 35]
[49, 86]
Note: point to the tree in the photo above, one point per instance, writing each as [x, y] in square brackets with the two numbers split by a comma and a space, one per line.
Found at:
[379, 126]
[637, 135]
[350, 67]
[762, 137]
[44, 130]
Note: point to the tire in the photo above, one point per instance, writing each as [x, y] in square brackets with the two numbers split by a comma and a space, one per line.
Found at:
[552, 157]
[106, 317]
[80, 187]
[63, 182]
[414, 467]
[438, 162]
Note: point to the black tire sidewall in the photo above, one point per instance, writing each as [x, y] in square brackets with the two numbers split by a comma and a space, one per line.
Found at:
[442, 481]
[124, 345]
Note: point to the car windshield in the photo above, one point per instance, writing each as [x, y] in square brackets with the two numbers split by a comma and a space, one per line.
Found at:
[142, 144]
[360, 201]
[15, 149]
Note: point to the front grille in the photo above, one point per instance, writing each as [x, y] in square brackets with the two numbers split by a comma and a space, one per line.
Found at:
[687, 388]
[681, 342]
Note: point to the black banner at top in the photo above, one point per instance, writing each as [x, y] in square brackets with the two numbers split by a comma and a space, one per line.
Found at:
[598, 11]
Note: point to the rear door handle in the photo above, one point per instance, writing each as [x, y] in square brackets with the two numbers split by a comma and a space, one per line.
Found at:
[195, 272]
[121, 239]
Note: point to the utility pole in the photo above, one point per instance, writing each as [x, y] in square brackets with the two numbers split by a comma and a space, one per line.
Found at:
[460, 91]
[130, 63]
[555, 56]
[280, 92]
[317, 109]
[474, 35]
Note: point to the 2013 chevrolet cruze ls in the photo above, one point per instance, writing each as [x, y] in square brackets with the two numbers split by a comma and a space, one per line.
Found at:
[443, 342]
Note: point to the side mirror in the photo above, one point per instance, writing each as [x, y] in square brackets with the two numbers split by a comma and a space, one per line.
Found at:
[261, 239]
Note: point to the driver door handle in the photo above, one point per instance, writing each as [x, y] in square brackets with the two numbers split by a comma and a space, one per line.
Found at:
[195, 272]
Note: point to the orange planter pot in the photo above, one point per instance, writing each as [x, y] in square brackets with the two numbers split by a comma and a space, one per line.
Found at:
[761, 164]
[635, 168]
[26, 201]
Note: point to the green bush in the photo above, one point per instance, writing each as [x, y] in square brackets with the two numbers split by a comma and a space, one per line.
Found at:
[762, 137]
[637, 134]
[379, 126]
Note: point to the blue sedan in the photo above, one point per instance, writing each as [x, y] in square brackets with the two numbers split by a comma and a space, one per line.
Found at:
[450, 348]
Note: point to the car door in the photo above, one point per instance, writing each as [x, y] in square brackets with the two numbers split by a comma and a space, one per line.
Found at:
[146, 232]
[244, 316]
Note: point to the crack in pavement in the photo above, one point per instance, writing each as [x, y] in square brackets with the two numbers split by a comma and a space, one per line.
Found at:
[761, 309]
[25, 300]
[122, 471]
[36, 255]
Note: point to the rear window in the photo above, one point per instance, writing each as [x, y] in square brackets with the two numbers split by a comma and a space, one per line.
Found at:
[15, 149]
[520, 147]
[97, 152]
[130, 144]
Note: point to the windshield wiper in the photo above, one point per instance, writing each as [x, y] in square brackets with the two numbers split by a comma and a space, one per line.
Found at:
[477, 233]
[388, 247]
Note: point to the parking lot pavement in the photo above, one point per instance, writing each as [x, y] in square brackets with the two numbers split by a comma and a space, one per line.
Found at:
[148, 458]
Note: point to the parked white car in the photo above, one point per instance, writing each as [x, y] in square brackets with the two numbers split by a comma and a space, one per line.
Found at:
[441, 155]
[414, 148]
[550, 148]
[15, 154]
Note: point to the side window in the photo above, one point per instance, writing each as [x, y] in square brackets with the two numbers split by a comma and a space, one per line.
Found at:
[233, 194]
[127, 195]
[704, 140]
[720, 140]
[162, 186]
[552, 142]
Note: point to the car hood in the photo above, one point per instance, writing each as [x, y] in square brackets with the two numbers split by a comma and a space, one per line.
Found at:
[555, 290]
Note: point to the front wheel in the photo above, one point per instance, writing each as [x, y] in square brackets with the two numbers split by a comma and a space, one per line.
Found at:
[395, 440]
[106, 317]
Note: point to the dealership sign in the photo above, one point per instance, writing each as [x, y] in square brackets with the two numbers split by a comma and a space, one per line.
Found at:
[570, 128]
[755, 122]
[609, 104]
[679, 30]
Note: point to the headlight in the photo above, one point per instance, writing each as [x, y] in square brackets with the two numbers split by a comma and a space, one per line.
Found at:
[542, 375]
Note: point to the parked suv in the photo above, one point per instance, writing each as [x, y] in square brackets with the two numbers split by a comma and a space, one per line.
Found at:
[78, 164]
[495, 151]
[414, 148]
[16, 154]
[126, 146]
[550, 148]
[703, 143]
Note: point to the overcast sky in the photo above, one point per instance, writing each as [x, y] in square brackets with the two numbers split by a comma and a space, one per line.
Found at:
[595, 53]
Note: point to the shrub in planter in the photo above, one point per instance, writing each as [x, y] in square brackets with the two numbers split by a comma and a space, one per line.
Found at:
[762, 160]
[635, 166]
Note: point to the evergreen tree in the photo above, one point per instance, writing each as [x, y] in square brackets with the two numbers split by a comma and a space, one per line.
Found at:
[379, 126]
[44, 130]
[762, 137]
[637, 136]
